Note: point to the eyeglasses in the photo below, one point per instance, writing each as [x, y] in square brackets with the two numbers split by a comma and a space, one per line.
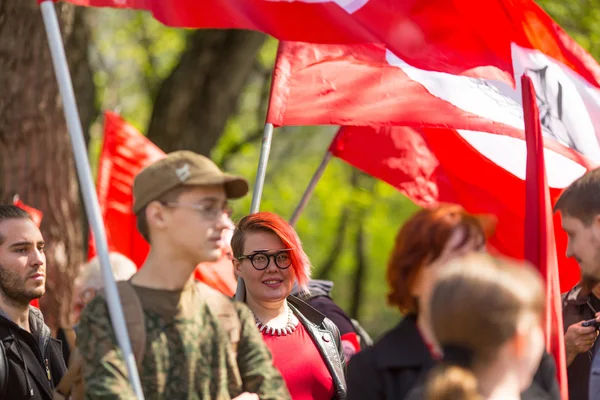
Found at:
[210, 212]
[261, 259]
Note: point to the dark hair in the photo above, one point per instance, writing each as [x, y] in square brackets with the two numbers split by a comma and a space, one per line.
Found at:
[419, 242]
[9, 211]
[141, 220]
[581, 199]
[476, 305]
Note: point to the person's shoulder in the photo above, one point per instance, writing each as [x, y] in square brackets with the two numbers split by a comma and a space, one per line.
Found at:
[363, 360]
[95, 311]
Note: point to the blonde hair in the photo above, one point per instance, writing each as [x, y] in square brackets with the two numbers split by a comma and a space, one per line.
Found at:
[476, 305]
[91, 273]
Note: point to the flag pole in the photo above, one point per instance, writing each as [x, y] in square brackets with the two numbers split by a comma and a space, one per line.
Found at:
[261, 172]
[90, 198]
[310, 188]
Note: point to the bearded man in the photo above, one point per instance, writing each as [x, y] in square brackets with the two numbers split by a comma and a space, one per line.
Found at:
[31, 361]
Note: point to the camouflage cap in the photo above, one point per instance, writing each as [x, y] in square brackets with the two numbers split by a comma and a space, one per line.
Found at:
[182, 168]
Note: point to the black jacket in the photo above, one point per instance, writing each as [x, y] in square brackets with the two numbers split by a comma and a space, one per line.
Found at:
[579, 305]
[35, 360]
[326, 337]
[398, 364]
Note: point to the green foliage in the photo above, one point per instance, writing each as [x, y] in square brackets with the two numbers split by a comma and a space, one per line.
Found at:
[132, 54]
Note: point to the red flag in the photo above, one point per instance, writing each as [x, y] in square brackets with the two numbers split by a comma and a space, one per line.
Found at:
[366, 85]
[124, 153]
[320, 21]
[540, 245]
[484, 173]
[36, 215]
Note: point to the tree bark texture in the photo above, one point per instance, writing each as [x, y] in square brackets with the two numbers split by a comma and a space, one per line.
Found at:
[194, 103]
[36, 160]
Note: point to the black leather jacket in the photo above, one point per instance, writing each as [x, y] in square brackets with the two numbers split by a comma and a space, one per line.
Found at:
[326, 337]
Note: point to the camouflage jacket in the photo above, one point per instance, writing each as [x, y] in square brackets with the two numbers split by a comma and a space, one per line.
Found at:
[187, 356]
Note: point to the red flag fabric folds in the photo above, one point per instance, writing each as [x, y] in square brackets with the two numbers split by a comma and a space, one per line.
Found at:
[540, 245]
[366, 85]
[311, 21]
[485, 173]
[124, 153]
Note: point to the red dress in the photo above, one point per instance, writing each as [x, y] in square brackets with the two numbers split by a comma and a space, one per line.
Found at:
[301, 365]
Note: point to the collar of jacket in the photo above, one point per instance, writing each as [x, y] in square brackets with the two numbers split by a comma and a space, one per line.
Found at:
[326, 337]
[38, 328]
[403, 346]
[576, 296]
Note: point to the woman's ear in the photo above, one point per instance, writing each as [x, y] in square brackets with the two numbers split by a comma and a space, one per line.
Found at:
[237, 267]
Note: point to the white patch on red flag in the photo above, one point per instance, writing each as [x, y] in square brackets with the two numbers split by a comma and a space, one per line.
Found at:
[511, 154]
[350, 6]
[567, 102]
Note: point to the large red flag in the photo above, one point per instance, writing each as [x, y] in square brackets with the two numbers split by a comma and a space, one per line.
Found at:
[366, 85]
[124, 153]
[485, 173]
[320, 21]
[540, 245]
[456, 37]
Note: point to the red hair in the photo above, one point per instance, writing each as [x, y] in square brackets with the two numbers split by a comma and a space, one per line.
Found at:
[421, 241]
[273, 223]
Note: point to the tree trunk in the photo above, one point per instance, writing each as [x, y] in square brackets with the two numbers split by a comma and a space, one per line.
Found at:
[36, 161]
[194, 103]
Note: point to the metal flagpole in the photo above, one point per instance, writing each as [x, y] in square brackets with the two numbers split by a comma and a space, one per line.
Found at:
[265, 150]
[310, 188]
[90, 198]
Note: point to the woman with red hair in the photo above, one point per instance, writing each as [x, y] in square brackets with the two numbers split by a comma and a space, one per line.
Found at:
[306, 346]
[398, 362]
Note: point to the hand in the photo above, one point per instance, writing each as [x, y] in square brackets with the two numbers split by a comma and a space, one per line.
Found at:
[247, 396]
[579, 339]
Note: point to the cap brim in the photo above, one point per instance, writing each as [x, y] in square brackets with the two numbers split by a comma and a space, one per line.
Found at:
[235, 186]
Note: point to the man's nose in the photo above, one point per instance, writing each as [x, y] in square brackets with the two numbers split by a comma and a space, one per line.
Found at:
[569, 252]
[37, 257]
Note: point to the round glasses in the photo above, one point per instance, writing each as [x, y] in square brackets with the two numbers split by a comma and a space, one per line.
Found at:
[260, 260]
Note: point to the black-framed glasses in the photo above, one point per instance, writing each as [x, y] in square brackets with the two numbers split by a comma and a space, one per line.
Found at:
[210, 212]
[260, 260]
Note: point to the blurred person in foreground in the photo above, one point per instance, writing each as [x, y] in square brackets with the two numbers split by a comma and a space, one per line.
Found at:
[400, 360]
[181, 206]
[486, 315]
[88, 283]
[306, 345]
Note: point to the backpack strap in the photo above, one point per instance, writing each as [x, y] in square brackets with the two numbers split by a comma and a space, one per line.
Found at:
[223, 308]
[134, 319]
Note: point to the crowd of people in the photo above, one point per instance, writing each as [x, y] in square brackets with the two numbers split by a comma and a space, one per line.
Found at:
[472, 325]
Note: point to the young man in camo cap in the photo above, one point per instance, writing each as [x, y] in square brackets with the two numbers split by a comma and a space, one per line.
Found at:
[181, 208]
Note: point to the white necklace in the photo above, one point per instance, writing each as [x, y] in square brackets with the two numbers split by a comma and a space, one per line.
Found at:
[289, 328]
